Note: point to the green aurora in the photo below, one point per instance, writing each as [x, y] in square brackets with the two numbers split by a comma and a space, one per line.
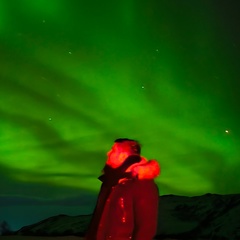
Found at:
[75, 75]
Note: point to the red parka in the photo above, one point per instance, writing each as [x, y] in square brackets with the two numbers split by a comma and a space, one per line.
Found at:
[128, 209]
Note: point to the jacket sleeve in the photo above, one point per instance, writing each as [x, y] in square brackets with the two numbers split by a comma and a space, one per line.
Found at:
[145, 206]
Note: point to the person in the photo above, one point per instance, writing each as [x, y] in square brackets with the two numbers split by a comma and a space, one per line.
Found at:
[127, 204]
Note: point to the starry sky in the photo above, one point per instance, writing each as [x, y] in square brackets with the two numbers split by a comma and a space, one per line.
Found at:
[76, 75]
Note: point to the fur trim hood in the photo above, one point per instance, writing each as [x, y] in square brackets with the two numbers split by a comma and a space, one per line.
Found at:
[135, 166]
[145, 169]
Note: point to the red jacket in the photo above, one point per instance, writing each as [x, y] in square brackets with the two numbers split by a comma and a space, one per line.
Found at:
[129, 208]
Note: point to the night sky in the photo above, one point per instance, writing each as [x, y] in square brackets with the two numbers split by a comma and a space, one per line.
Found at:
[77, 74]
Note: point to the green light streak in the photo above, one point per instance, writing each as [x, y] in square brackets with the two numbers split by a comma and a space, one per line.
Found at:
[75, 76]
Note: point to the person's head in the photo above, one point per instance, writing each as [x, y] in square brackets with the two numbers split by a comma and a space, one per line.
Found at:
[121, 149]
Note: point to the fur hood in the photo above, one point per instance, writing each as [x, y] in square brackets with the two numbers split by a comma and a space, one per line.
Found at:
[134, 167]
[145, 169]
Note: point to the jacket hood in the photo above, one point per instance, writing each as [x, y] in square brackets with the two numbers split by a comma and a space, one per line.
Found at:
[145, 169]
[135, 166]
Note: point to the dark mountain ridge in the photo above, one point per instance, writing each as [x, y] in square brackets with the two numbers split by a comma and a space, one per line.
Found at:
[210, 216]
